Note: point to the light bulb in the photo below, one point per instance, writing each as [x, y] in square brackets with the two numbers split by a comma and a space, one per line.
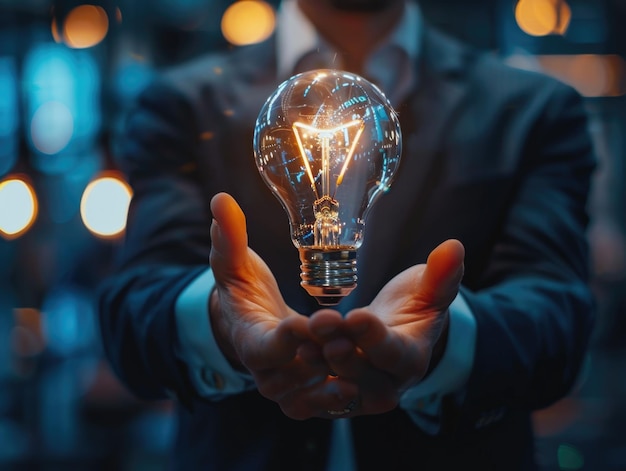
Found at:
[328, 144]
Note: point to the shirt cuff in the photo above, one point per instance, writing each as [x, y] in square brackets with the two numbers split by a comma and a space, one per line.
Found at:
[423, 401]
[210, 371]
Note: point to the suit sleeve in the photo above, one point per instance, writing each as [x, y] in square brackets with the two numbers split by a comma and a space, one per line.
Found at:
[533, 307]
[167, 245]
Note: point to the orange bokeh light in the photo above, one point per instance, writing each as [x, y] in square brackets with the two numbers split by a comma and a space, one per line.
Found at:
[85, 26]
[543, 17]
[248, 22]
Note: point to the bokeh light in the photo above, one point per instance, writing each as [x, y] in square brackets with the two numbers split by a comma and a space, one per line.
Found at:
[62, 105]
[104, 205]
[18, 207]
[570, 458]
[248, 22]
[85, 26]
[543, 17]
[51, 127]
[68, 320]
[592, 75]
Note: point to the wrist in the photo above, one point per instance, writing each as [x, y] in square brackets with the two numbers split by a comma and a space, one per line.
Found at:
[221, 332]
[440, 345]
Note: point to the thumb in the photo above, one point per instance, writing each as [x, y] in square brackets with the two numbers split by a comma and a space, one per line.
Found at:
[443, 273]
[228, 233]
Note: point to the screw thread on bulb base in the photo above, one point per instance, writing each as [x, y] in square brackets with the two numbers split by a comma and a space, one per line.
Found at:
[328, 274]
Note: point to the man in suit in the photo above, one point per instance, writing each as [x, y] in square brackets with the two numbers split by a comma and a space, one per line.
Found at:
[471, 310]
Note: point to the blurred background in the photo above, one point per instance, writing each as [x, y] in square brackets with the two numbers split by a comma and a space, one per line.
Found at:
[68, 72]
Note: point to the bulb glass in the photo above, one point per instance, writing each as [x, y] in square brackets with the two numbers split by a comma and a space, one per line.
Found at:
[328, 145]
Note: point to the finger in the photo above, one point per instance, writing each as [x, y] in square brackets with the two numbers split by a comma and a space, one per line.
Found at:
[275, 346]
[336, 398]
[228, 232]
[317, 398]
[374, 393]
[377, 387]
[384, 348]
[366, 330]
[316, 401]
[311, 352]
[350, 362]
[276, 384]
[443, 273]
[325, 325]
[344, 360]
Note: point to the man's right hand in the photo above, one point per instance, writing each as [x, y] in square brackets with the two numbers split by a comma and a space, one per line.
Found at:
[257, 331]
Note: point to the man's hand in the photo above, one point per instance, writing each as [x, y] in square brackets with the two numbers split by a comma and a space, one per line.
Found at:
[257, 331]
[390, 345]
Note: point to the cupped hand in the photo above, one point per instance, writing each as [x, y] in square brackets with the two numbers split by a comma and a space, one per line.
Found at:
[257, 331]
[390, 345]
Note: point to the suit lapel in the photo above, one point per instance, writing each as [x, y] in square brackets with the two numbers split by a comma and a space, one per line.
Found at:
[426, 117]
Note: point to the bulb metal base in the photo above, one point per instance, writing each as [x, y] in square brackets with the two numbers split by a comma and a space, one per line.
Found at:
[328, 274]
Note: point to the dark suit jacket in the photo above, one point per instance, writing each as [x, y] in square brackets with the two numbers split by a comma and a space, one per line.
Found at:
[495, 157]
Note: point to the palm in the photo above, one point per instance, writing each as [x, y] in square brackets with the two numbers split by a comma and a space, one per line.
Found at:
[387, 346]
[257, 331]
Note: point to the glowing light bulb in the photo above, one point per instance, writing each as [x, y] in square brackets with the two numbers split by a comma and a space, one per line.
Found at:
[328, 144]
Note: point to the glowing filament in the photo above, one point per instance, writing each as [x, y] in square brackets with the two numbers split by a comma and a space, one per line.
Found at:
[325, 136]
[327, 228]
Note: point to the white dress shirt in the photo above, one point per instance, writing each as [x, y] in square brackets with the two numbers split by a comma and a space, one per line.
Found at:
[391, 67]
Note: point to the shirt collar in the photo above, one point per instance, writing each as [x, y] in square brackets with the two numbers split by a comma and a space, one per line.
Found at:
[296, 36]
